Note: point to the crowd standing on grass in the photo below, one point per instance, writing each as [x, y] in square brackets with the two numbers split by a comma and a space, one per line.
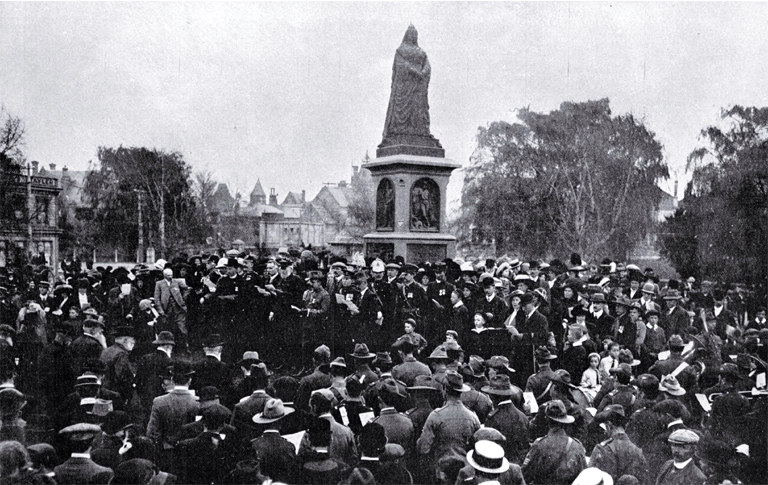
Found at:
[225, 368]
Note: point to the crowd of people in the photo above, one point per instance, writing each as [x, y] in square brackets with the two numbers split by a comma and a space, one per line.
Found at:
[225, 368]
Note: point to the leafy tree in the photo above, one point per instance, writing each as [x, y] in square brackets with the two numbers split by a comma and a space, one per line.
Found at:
[720, 229]
[575, 179]
[170, 214]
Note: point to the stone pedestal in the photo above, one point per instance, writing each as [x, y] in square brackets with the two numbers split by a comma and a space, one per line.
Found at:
[410, 207]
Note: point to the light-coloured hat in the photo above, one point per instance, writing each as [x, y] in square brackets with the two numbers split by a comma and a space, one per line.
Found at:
[683, 437]
[160, 264]
[670, 385]
[488, 457]
[274, 409]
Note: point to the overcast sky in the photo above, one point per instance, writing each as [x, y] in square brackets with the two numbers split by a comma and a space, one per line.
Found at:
[294, 94]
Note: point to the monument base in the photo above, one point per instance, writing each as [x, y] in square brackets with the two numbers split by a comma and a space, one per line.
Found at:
[414, 247]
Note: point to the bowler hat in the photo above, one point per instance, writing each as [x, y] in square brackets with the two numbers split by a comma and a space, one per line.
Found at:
[181, 368]
[208, 393]
[274, 410]
[411, 268]
[488, 457]
[164, 338]
[526, 298]
[249, 357]
[362, 352]
[597, 298]
[649, 288]
[556, 412]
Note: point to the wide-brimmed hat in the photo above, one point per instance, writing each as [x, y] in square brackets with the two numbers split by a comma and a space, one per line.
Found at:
[670, 385]
[274, 410]
[499, 362]
[613, 413]
[362, 352]
[499, 385]
[455, 382]
[165, 338]
[390, 388]
[383, 358]
[488, 457]
[425, 383]
[556, 412]
[124, 331]
[339, 362]
[543, 353]
[180, 368]
[562, 377]
[623, 301]
[438, 353]
[475, 367]
[597, 298]
[404, 345]
[672, 295]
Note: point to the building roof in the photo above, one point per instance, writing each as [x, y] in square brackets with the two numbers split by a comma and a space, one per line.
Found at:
[293, 198]
[258, 190]
[257, 210]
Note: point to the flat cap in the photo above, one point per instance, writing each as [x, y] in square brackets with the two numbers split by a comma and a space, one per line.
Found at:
[683, 437]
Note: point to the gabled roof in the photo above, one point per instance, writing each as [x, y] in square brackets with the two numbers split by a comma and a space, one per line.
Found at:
[292, 198]
[257, 210]
[340, 194]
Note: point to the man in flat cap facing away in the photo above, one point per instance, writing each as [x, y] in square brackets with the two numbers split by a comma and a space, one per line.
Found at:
[79, 468]
[681, 470]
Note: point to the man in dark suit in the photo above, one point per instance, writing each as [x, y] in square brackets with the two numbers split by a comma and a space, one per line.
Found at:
[439, 296]
[211, 371]
[276, 455]
[286, 289]
[208, 457]
[84, 298]
[89, 345]
[675, 318]
[599, 323]
[532, 331]
[169, 413]
[369, 316]
[151, 368]
[79, 468]
[319, 379]
[170, 301]
[123, 299]
[724, 318]
[119, 376]
[491, 305]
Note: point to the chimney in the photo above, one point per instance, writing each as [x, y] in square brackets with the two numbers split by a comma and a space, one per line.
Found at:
[303, 196]
[675, 194]
[52, 166]
[272, 197]
[64, 168]
[342, 183]
[35, 164]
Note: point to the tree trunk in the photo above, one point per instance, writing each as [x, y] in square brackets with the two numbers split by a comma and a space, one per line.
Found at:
[161, 227]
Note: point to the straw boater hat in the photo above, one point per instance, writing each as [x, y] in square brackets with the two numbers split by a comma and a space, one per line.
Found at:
[488, 457]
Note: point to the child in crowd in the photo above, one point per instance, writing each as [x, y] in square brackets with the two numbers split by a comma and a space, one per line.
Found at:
[591, 377]
[611, 360]
[419, 342]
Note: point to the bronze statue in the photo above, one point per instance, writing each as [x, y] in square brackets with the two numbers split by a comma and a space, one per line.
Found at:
[407, 123]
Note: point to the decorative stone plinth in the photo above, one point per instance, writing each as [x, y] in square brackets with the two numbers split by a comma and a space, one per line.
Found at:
[410, 208]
